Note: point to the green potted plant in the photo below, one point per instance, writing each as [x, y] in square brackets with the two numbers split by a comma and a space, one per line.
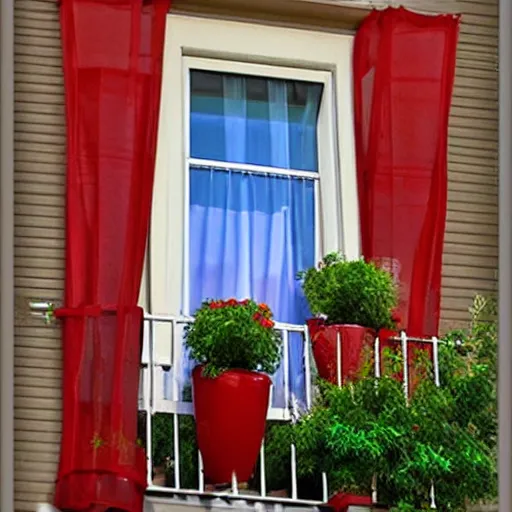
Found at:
[446, 436]
[351, 301]
[236, 348]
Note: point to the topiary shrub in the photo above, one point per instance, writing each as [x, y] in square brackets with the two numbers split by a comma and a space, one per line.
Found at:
[350, 292]
[233, 335]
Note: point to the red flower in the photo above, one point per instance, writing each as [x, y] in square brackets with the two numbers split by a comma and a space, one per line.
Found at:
[268, 324]
[215, 304]
[415, 428]
[257, 316]
[232, 302]
[245, 302]
[263, 307]
[396, 316]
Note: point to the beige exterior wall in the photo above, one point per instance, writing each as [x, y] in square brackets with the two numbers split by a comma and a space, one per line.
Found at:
[470, 259]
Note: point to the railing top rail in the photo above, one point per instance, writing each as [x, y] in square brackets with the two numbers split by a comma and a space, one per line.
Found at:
[181, 319]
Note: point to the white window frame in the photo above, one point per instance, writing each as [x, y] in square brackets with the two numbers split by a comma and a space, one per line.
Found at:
[326, 233]
[247, 48]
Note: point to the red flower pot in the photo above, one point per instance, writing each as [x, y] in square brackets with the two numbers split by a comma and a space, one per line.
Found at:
[341, 502]
[230, 412]
[355, 341]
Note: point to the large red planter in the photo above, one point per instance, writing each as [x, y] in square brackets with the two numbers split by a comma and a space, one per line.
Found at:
[230, 412]
[356, 342]
[342, 502]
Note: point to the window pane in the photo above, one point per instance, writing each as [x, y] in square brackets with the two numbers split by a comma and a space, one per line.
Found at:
[254, 120]
[249, 236]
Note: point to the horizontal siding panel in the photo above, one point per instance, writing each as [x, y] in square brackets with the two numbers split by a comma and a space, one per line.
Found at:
[472, 218]
[488, 9]
[42, 129]
[469, 59]
[53, 234]
[42, 171]
[46, 284]
[470, 196]
[42, 416]
[464, 170]
[487, 124]
[456, 315]
[470, 239]
[33, 446]
[44, 120]
[23, 452]
[49, 97]
[56, 262]
[45, 211]
[453, 248]
[469, 272]
[48, 354]
[461, 90]
[489, 105]
[39, 330]
[35, 6]
[475, 133]
[461, 227]
[52, 64]
[33, 425]
[472, 161]
[464, 78]
[39, 222]
[482, 285]
[37, 403]
[50, 373]
[467, 294]
[24, 253]
[39, 488]
[39, 148]
[40, 294]
[467, 260]
[457, 205]
[33, 199]
[25, 360]
[463, 147]
[40, 343]
[45, 468]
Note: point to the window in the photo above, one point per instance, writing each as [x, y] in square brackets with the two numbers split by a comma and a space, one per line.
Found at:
[255, 174]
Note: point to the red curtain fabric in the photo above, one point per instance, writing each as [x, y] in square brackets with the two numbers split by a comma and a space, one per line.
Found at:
[404, 66]
[112, 66]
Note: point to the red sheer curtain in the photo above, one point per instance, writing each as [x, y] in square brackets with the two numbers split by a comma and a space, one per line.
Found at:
[404, 66]
[112, 67]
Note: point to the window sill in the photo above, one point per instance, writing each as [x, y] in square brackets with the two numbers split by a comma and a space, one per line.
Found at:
[311, 14]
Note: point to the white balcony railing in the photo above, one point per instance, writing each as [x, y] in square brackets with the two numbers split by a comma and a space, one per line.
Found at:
[161, 391]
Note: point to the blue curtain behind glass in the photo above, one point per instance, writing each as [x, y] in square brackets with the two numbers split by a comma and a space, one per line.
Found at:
[254, 121]
[250, 233]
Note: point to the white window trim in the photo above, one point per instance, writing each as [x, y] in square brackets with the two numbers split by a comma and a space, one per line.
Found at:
[296, 52]
[280, 52]
[326, 232]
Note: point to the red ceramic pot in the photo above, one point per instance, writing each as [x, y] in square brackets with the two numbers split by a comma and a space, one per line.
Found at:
[355, 341]
[230, 412]
[342, 502]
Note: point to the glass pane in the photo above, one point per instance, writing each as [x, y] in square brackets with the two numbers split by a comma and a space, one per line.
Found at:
[254, 120]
